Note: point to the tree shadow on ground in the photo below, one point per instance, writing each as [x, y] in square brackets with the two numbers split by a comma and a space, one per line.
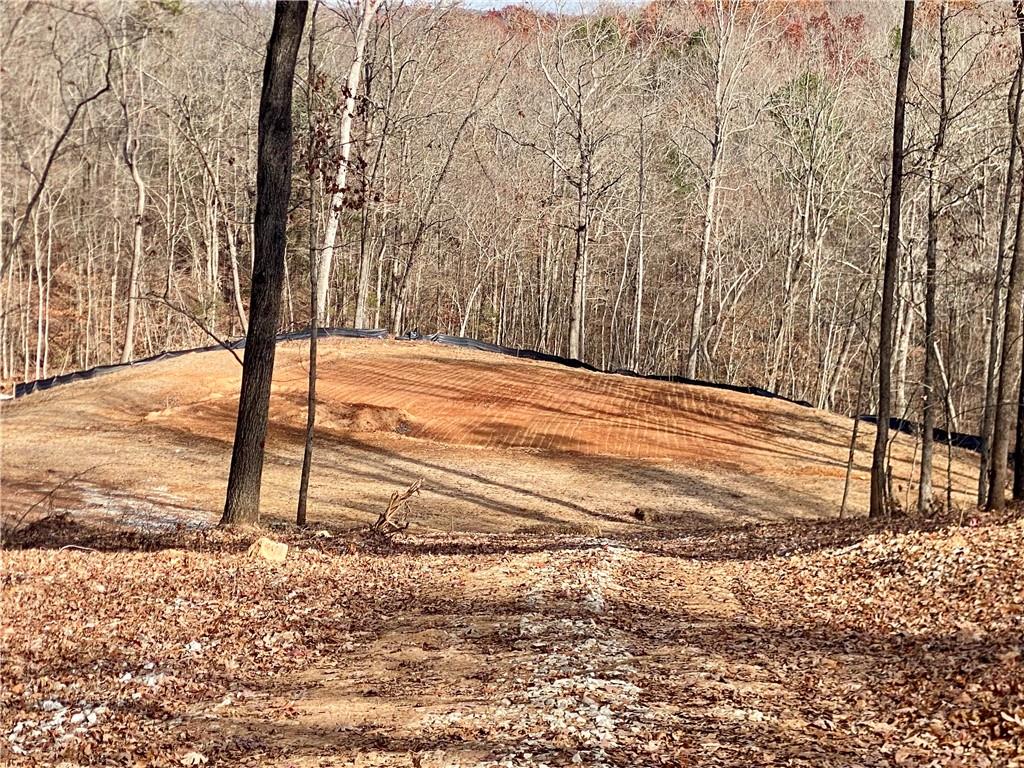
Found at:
[702, 537]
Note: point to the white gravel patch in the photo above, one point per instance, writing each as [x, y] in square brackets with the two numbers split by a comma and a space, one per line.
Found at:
[578, 695]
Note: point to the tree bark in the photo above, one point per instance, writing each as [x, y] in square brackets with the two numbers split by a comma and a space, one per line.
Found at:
[878, 462]
[1018, 445]
[1008, 369]
[638, 296]
[367, 12]
[131, 159]
[696, 321]
[994, 340]
[579, 266]
[128, 348]
[929, 404]
[273, 188]
[726, 21]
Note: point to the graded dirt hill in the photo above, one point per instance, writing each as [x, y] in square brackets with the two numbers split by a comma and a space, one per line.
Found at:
[501, 444]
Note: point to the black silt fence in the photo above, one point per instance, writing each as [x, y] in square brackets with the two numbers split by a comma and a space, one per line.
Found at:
[101, 370]
[956, 439]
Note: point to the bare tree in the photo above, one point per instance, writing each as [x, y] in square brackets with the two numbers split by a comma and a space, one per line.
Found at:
[584, 69]
[994, 337]
[366, 14]
[54, 150]
[878, 460]
[131, 152]
[462, 229]
[312, 171]
[726, 68]
[930, 400]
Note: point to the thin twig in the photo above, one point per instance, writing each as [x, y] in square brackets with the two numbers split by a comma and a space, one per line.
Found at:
[162, 299]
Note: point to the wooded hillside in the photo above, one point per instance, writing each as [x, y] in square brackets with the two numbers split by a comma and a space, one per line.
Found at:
[692, 188]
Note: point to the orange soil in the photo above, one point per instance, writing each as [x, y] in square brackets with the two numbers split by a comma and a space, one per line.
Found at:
[500, 443]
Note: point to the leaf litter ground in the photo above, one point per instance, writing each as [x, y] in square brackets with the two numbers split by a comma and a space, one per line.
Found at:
[818, 644]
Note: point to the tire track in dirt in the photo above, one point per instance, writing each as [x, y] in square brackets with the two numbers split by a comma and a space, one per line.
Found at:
[633, 659]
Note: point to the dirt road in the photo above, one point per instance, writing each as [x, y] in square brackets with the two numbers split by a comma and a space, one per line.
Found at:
[699, 636]
[586, 652]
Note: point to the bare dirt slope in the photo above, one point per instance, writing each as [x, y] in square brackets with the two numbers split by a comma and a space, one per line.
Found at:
[501, 444]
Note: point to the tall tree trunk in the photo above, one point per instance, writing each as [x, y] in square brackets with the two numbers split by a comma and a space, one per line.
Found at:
[128, 348]
[1008, 369]
[236, 286]
[579, 266]
[931, 404]
[1009, 356]
[312, 166]
[365, 266]
[49, 283]
[878, 463]
[37, 252]
[641, 245]
[707, 240]
[273, 188]
[726, 20]
[906, 315]
[362, 312]
[367, 12]
[313, 175]
[130, 153]
[545, 264]
[858, 404]
[1018, 445]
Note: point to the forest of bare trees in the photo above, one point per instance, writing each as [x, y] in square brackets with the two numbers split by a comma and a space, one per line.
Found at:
[683, 188]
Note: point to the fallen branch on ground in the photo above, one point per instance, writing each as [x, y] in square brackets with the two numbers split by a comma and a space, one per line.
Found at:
[48, 497]
[394, 519]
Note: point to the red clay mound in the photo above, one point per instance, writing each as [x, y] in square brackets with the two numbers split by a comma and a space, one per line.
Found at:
[500, 443]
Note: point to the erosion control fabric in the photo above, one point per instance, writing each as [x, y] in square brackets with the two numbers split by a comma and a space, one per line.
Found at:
[530, 354]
